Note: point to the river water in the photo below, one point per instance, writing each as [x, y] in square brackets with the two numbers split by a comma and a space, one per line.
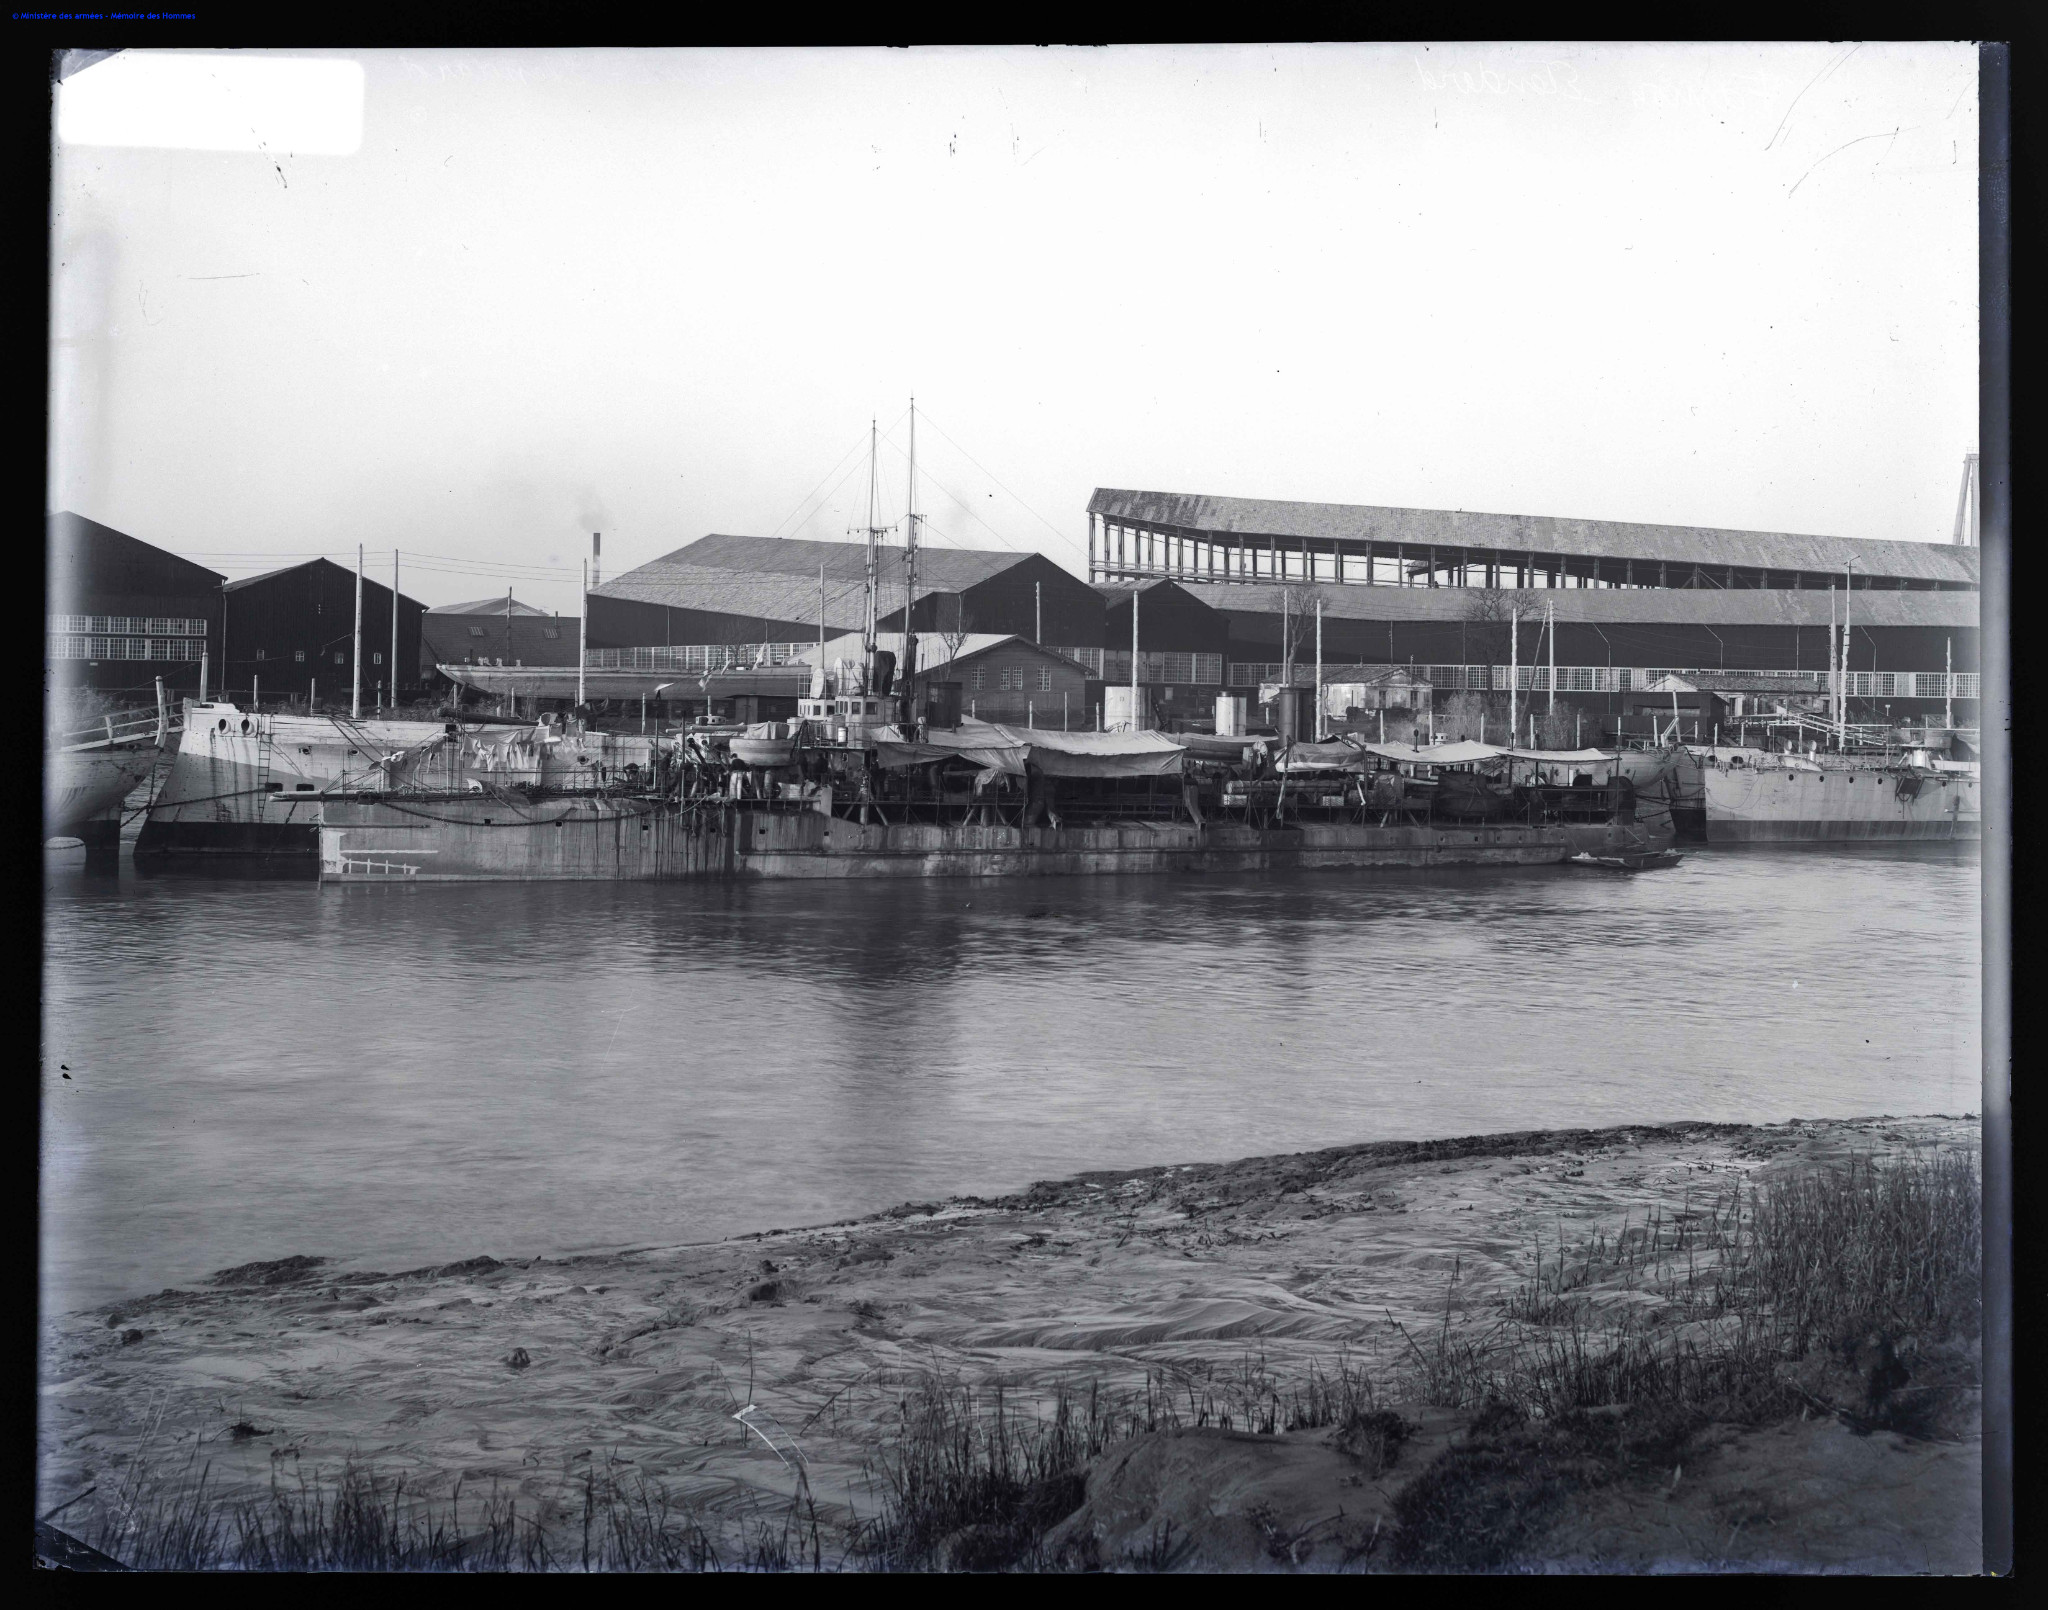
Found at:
[393, 1077]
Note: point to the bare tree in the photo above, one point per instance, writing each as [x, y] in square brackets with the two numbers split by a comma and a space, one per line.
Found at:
[1298, 631]
[957, 634]
[1488, 610]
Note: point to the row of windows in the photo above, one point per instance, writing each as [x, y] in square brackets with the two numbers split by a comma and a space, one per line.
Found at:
[548, 632]
[126, 626]
[123, 648]
[299, 656]
[1013, 677]
[824, 709]
[81, 647]
[1114, 665]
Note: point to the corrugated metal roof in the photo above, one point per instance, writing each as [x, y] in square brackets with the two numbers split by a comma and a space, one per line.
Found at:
[1601, 606]
[949, 569]
[268, 575]
[793, 561]
[486, 606]
[757, 596]
[776, 578]
[933, 650]
[1540, 534]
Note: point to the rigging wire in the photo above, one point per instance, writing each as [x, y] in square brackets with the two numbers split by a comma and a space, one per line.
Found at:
[1071, 541]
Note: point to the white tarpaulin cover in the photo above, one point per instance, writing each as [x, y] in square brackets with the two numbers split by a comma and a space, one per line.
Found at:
[1006, 749]
[1322, 757]
[1562, 756]
[1208, 746]
[1558, 767]
[1458, 754]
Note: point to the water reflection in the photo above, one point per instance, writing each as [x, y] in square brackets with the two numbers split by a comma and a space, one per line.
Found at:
[405, 1075]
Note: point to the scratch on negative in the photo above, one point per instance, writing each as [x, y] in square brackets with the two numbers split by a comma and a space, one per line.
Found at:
[1825, 72]
[1838, 150]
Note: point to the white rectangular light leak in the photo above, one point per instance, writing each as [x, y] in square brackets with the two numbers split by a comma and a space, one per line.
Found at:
[220, 102]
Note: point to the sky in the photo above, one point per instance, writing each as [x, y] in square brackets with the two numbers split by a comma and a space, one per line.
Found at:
[663, 293]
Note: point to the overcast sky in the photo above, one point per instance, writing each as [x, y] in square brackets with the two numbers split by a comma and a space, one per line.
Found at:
[662, 293]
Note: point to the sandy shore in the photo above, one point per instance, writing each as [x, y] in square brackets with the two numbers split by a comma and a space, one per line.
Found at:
[518, 1372]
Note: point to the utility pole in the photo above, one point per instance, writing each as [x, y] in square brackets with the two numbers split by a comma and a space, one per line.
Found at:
[1289, 721]
[394, 631]
[1550, 626]
[583, 637]
[1319, 668]
[1948, 685]
[355, 700]
[1514, 668]
[1038, 612]
[1134, 657]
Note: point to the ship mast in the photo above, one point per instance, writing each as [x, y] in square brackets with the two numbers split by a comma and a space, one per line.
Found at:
[873, 531]
[908, 672]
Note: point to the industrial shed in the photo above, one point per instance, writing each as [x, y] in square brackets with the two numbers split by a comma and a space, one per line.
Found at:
[487, 633]
[292, 631]
[1195, 537]
[122, 613]
[998, 676]
[738, 589]
[1696, 628]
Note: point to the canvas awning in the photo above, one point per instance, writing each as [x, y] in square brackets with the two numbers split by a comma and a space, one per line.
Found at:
[1322, 757]
[1559, 766]
[1006, 749]
[1457, 754]
[1209, 746]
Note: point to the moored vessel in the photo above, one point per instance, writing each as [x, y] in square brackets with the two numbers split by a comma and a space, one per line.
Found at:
[1758, 797]
[88, 774]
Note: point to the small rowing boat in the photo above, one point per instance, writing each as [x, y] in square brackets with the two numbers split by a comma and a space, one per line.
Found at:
[1628, 861]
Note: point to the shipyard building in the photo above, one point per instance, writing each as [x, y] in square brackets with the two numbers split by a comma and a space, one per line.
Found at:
[290, 633]
[1414, 614]
[123, 613]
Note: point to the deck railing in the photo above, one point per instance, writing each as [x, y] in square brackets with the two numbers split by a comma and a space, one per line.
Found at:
[120, 727]
[696, 657]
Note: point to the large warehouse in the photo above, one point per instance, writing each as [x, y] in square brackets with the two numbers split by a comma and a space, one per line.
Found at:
[726, 589]
[1191, 537]
[1228, 592]
[123, 613]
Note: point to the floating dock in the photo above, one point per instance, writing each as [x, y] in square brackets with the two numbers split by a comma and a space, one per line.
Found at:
[462, 838]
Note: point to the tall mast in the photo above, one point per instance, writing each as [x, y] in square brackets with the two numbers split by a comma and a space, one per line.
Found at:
[1550, 629]
[868, 615]
[909, 670]
[1514, 666]
[1848, 588]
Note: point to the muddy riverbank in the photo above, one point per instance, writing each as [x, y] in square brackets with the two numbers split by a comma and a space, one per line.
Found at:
[1220, 1286]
